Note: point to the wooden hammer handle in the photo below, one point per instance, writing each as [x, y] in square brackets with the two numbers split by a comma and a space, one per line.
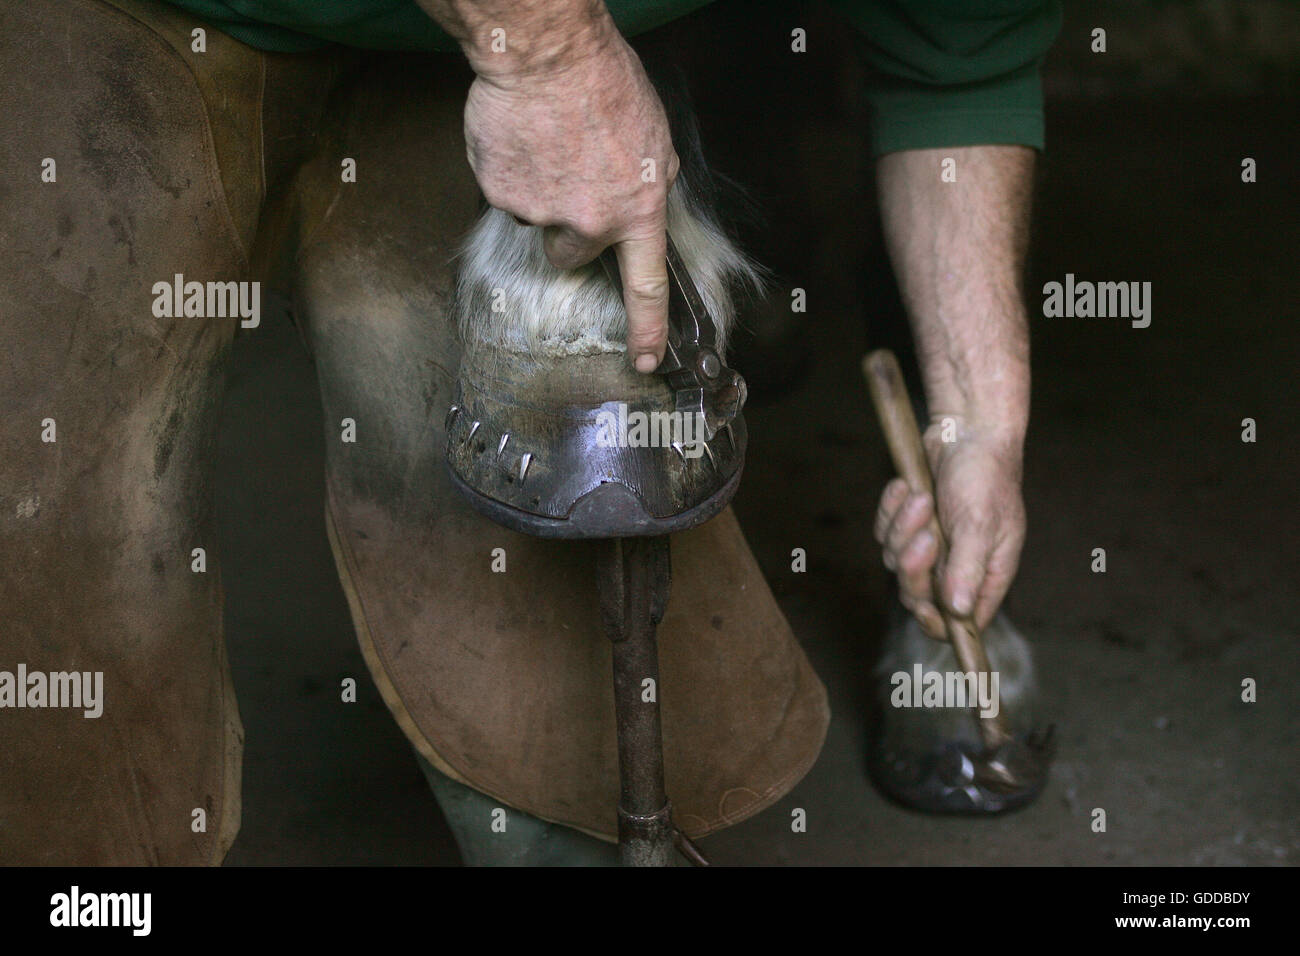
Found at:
[898, 422]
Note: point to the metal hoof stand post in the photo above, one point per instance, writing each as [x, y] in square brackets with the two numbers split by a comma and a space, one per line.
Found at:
[675, 488]
[633, 577]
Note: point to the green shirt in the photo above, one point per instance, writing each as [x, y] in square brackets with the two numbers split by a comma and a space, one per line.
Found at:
[947, 72]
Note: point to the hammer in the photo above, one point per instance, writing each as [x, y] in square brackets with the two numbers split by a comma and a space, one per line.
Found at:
[1006, 765]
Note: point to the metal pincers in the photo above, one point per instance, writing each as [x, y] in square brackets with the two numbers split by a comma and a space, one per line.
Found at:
[702, 385]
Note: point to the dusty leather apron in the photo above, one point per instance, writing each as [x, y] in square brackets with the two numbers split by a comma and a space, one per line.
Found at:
[175, 162]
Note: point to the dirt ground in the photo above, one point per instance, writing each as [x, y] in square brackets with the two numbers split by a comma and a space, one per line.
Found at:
[1135, 446]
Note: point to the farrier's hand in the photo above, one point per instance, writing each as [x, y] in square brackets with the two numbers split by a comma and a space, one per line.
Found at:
[565, 131]
[982, 515]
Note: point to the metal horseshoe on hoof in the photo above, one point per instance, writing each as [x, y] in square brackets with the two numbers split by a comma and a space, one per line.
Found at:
[529, 447]
[546, 472]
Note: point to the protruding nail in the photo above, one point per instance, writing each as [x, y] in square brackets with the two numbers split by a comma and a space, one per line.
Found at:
[967, 769]
[501, 446]
[472, 429]
[523, 466]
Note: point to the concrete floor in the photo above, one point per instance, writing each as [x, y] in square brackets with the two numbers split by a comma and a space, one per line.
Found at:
[1134, 447]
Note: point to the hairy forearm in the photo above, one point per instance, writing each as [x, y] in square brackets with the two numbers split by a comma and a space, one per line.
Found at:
[510, 38]
[958, 251]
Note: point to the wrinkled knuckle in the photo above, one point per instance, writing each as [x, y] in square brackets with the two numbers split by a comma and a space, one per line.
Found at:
[893, 538]
[977, 521]
[588, 223]
[913, 563]
[648, 288]
[908, 522]
[648, 210]
[917, 513]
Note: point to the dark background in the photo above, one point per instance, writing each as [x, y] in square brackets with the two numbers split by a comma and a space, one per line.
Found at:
[1135, 446]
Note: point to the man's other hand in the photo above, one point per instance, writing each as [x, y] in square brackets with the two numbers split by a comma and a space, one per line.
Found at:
[982, 515]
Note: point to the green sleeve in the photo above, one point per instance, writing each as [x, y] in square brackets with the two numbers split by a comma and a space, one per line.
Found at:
[955, 72]
[292, 26]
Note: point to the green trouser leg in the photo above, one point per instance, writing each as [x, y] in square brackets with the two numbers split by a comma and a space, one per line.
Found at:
[524, 841]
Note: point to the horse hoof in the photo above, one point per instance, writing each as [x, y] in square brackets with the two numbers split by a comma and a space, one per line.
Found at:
[931, 758]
